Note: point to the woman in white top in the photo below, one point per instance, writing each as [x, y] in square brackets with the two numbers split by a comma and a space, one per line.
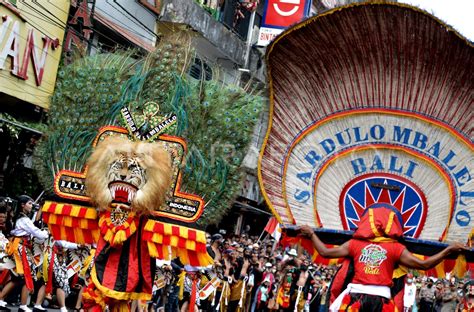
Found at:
[24, 230]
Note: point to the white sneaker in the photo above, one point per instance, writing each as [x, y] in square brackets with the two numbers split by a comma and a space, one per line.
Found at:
[63, 309]
[3, 303]
[24, 308]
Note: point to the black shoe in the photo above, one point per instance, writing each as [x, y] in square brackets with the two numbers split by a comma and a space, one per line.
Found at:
[39, 310]
[4, 309]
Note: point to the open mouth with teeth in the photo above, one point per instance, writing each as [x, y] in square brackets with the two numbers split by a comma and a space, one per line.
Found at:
[122, 192]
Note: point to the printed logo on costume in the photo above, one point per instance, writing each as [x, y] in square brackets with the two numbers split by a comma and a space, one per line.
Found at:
[372, 256]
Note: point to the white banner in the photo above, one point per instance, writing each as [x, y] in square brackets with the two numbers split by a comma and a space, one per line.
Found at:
[266, 35]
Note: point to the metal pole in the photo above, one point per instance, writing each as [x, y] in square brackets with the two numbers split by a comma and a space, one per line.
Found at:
[16, 124]
[89, 41]
[249, 39]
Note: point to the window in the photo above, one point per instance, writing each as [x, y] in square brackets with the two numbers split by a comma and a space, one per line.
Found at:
[200, 70]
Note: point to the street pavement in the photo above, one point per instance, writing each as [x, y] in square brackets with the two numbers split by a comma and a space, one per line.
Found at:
[16, 308]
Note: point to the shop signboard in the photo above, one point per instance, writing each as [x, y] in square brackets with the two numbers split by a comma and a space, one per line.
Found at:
[31, 36]
[279, 15]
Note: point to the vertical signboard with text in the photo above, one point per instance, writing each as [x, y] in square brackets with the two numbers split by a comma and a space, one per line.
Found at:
[31, 36]
[279, 15]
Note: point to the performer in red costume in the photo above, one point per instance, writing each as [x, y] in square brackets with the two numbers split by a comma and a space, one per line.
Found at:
[375, 253]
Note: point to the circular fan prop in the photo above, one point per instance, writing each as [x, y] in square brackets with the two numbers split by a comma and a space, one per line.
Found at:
[371, 103]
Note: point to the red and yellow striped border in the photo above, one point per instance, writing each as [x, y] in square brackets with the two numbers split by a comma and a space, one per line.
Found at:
[72, 223]
[167, 241]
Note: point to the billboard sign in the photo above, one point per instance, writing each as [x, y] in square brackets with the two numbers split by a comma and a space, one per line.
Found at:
[30, 48]
[279, 15]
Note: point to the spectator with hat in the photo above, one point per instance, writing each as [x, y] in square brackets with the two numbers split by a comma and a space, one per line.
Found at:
[427, 296]
[450, 295]
[214, 249]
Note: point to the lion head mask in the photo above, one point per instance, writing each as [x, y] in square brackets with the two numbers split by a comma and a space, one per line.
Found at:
[137, 174]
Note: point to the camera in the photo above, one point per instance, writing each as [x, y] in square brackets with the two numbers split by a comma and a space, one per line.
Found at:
[35, 207]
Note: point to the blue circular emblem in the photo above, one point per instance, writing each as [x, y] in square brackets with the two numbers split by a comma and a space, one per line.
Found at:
[399, 192]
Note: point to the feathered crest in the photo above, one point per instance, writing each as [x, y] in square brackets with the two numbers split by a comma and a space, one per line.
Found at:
[216, 120]
[85, 91]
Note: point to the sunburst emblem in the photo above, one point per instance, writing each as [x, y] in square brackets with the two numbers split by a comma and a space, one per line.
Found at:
[366, 190]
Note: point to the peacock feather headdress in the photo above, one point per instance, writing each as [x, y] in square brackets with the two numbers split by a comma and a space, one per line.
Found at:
[216, 120]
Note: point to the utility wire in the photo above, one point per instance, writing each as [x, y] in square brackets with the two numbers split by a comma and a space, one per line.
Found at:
[64, 27]
[76, 32]
[35, 26]
[105, 13]
[133, 16]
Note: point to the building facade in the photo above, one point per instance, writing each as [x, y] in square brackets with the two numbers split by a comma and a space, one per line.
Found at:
[31, 43]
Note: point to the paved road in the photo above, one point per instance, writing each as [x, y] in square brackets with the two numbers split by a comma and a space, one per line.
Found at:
[16, 308]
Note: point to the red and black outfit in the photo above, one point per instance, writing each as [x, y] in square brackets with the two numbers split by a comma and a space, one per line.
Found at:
[374, 253]
[123, 268]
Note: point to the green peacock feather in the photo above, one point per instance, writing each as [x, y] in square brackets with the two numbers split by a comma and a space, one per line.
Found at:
[219, 134]
[85, 91]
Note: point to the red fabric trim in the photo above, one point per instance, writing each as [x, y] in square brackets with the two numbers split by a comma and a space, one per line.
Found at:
[147, 275]
[75, 279]
[88, 236]
[201, 247]
[338, 280]
[192, 300]
[193, 259]
[49, 284]
[93, 224]
[3, 276]
[52, 207]
[82, 213]
[70, 237]
[133, 264]
[388, 307]
[192, 235]
[147, 236]
[55, 231]
[26, 269]
[398, 299]
[175, 231]
[111, 268]
[181, 242]
[66, 210]
[449, 265]
[159, 248]
[159, 228]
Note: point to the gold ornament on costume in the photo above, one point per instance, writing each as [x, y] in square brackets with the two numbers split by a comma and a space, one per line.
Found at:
[118, 216]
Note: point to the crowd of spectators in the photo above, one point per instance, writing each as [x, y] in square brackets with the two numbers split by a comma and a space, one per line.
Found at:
[254, 275]
[249, 273]
[258, 275]
[441, 295]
